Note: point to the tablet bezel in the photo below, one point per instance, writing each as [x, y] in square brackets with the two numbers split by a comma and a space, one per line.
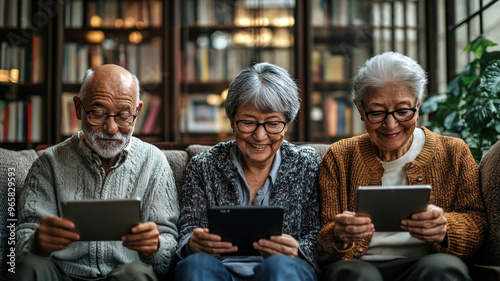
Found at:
[242, 225]
[102, 220]
[388, 205]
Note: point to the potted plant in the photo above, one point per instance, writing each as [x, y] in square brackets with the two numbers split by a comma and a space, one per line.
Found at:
[470, 109]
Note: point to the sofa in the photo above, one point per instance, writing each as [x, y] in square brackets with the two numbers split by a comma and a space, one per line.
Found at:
[14, 166]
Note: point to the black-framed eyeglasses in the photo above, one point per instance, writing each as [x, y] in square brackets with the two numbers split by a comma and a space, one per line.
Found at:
[98, 117]
[272, 127]
[401, 115]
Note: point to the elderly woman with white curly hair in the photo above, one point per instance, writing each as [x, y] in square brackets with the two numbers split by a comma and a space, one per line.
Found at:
[387, 93]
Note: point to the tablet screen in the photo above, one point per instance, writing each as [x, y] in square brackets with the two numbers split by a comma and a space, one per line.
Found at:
[242, 225]
[100, 220]
[388, 205]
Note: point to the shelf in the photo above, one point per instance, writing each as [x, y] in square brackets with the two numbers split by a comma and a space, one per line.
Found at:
[78, 35]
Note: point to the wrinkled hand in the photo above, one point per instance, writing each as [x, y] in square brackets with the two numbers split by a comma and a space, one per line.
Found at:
[283, 244]
[429, 225]
[145, 239]
[202, 241]
[351, 228]
[54, 234]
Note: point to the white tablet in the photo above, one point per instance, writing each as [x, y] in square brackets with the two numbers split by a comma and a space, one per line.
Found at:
[388, 205]
[101, 220]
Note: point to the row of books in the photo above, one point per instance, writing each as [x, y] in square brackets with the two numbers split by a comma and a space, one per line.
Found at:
[206, 64]
[113, 13]
[147, 121]
[341, 118]
[330, 66]
[142, 60]
[21, 120]
[339, 12]
[28, 60]
[18, 13]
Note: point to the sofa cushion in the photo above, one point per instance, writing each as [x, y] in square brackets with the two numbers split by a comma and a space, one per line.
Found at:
[178, 160]
[19, 163]
[194, 149]
[489, 170]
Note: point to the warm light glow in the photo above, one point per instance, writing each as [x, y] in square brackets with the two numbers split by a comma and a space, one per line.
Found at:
[282, 38]
[135, 37]
[262, 21]
[118, 23]
[95, 36]
[224, 93]
[139, 24]
[4, 75]
[129, 22]
[283, 21]
[14, 75]
[243, 38]
[265, 36]
[242, 21]
[95, 21]
[214, 99]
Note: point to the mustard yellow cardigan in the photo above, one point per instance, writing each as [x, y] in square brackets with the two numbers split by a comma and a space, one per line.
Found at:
[444, 162]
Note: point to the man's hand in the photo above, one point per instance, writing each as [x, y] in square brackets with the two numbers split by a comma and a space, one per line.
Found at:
[54, 234]
[283, 244]
[350, 228]
[144, 239]
[429, 225]
[203, 242]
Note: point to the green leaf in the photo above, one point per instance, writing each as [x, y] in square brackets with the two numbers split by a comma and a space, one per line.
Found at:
[454, 88]
[490, 79]
[479, 46]
[431, 102]
[449, 120]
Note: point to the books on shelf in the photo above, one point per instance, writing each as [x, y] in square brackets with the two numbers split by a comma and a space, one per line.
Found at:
[26, 60]
[327, 66]
[341, 118]
[339, 12]
[21, 120]
[69, 121]
[113, 14]
[147, 120]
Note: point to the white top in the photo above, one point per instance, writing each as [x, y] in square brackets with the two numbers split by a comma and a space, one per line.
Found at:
[386, 246]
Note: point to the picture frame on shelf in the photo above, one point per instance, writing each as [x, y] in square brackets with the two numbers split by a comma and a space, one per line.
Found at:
[201, 116]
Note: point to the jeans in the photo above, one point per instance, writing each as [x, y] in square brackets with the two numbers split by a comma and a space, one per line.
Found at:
[275, 268]
[433, 267]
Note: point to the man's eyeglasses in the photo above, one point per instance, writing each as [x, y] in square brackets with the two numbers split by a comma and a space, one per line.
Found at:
[98, 117]
[401, 115]
[272, 127]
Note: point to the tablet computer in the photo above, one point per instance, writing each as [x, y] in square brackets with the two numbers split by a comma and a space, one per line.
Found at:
[101, 220]
[388, 205]
[243, 225]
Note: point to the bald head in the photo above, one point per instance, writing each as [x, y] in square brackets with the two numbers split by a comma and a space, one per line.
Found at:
[110, 78]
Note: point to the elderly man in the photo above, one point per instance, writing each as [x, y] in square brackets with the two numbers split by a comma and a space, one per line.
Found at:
[103, 161]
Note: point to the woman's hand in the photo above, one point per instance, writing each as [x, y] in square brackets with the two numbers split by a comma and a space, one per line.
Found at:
[283, 244]
[351, 228]
[429, 225]
[203, 242]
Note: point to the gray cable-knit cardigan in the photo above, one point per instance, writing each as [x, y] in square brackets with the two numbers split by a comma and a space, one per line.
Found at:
[67, 172]
[211, 180]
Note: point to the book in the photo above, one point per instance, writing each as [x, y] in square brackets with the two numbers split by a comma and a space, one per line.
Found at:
[12, 122]
[152, 115]
[334, 67]
[21, 121]
[35, 128]
[67, 125]
[12, 13]
[331, 113]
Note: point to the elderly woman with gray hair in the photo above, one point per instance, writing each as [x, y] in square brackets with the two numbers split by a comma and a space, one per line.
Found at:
[387, 93]
[258, 168]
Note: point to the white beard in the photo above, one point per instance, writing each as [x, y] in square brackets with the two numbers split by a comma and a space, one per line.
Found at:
[104, 149]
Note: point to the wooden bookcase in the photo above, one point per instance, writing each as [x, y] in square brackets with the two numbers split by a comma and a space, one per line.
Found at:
[192, 49]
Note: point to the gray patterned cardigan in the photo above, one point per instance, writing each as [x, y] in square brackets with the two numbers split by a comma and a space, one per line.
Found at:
[211, 180]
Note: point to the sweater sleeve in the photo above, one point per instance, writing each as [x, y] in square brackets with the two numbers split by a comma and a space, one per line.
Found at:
[464, 211]
[162, 209]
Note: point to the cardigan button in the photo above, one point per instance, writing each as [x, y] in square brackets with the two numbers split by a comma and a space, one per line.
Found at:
[419, 179]
[412, 166]
[360, 250]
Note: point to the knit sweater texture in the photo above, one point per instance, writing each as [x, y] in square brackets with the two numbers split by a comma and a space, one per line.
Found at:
[445, 163]
[68, 172]
[211, 181]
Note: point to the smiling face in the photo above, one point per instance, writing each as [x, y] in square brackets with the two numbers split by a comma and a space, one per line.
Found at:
[258, 148]
[392, 138]
[112, 90]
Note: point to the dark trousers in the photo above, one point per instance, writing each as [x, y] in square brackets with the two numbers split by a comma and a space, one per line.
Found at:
[38, 268]
[433, 267]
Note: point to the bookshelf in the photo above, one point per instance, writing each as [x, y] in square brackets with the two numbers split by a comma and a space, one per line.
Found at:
[343, 35]
[25, 83]
[186, 52]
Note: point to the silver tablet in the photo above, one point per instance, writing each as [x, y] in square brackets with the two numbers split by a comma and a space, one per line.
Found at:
[100, 220]
[388, 205]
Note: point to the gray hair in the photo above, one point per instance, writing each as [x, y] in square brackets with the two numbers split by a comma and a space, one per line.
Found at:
[268, 87]
[389, 68]
[90, 73]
